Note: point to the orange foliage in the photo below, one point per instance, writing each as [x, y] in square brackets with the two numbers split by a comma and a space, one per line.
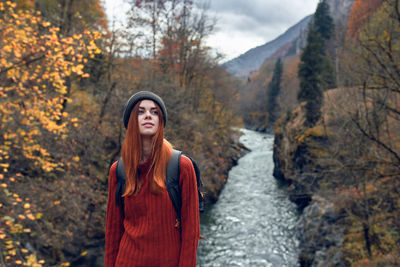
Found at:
[170, 52]
[34, 65]
[292, 67]
[33, 69]
[102, 20]
[360, 12]
[290, 84]
[26, 3]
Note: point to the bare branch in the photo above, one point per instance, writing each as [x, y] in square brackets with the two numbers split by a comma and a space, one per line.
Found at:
[377, 141]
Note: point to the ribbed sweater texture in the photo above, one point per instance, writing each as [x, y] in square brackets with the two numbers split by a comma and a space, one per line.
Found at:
[145, 235]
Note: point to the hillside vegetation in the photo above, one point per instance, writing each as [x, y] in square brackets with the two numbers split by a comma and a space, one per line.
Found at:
[344, 170]
[64, 79]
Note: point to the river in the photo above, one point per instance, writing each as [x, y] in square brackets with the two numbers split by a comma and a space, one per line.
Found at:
[253, 221]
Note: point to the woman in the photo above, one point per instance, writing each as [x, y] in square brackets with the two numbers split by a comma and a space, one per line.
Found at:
[145, 232]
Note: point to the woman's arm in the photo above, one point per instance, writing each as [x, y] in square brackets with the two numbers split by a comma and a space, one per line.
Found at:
[114, 221]
[190, 221]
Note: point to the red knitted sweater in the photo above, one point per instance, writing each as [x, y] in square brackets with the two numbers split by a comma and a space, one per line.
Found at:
[146, 235]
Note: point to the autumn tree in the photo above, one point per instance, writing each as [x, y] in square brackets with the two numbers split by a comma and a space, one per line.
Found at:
[359, 171]
[183, 54]
[169, 56]
[61, 101]
[376, 69]
[72, 16]
[374, 72]
[34, 81]
[147, 17]
[35, 62]
[360, 12]
[274, 88]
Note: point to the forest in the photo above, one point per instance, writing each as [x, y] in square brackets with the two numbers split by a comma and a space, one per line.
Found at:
[331, 99]
[65, 76]
[336, 124]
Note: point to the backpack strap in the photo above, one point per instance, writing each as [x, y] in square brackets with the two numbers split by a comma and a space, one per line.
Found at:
[199, 183]
[121, 174]
[172, 182]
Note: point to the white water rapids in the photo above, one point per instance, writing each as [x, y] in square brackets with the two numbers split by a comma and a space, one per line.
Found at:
[253, 221]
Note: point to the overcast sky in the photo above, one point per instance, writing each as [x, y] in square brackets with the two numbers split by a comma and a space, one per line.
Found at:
[243, 24]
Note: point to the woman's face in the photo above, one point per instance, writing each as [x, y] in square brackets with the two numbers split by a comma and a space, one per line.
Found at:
[148, 118]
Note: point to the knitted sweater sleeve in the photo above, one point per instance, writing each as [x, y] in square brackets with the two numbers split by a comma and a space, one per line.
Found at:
[114, 221]
[189, 214]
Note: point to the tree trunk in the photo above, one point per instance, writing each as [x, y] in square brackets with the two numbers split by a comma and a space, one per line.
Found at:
[367, 239]
[105, 101]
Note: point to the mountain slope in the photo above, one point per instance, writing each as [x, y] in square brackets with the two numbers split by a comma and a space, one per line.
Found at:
[251, 61]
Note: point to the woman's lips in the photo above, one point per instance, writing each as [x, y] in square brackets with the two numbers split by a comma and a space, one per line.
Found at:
[148, 125]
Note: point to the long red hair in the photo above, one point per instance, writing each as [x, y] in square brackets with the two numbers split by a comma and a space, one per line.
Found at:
[132, 153]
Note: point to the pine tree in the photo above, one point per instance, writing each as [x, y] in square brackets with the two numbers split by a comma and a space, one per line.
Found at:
[310, 69]
[323, 22]
[274, 88]
[315, 73]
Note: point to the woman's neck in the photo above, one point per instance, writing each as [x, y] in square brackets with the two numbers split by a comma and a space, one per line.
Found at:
[146, 148]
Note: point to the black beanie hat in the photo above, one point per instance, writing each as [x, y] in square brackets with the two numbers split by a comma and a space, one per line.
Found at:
[134, 99]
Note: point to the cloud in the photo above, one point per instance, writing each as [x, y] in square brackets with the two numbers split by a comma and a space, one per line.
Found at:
[242, 25]
[266, 11]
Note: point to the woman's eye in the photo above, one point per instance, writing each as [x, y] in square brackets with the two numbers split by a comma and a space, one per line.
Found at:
[154, 112]
[141, 111]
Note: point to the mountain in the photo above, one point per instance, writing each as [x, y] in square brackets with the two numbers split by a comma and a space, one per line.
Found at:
[251, 61]
[290, 42]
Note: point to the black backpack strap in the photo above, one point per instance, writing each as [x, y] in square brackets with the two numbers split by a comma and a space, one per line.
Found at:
[199, 183]
[172, 182]
[121, 176]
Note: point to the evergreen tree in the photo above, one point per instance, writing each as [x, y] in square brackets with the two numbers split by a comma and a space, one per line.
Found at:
[310, 69]
[328, 76]
[315, 72]
[323, 22]
[274, 88]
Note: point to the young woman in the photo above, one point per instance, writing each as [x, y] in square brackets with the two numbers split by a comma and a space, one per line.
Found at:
[145, 232]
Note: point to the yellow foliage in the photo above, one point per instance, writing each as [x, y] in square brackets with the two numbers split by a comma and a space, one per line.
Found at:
[316, 131]
[30, 216]
[36, 64]
[35, 61]
[31, 260]
[84, 253]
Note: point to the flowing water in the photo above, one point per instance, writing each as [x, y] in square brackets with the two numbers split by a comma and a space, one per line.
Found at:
[253, 222]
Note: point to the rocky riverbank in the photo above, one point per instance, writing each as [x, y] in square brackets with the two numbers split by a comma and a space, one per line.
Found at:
[343, 183]
[295, 151]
